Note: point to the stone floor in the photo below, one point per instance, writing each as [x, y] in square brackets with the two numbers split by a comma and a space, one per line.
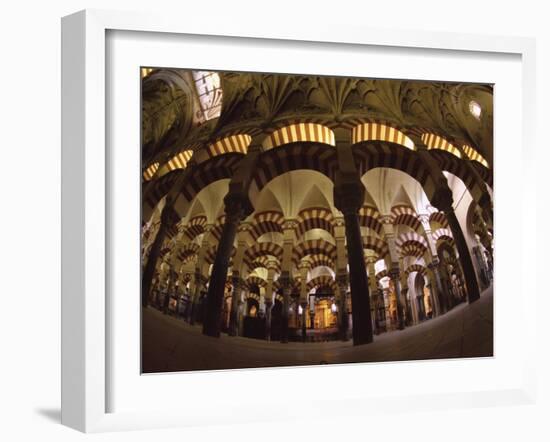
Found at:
[169, 344]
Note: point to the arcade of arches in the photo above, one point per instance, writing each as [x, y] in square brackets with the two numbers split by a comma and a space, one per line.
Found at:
[313, 209]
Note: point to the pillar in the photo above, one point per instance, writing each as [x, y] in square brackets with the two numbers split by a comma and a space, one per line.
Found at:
[304, 268]
[200, 283]
[394, 276]
[289, 236]
[349, 196]
[235, 298]
[342, 282]
[373, 288]
[236, 280]
[286, 284]
[437, 288]
[389, 236]
[166, 219]
[443, 200]
[271, 268]
[407, 313]
[237, 207]
[312, 312]
[440, 296]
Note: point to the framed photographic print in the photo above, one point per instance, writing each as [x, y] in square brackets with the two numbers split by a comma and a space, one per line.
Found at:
[250, 215]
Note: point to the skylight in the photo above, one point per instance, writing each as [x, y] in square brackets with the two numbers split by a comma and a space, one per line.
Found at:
[475, 109]
[209, 92]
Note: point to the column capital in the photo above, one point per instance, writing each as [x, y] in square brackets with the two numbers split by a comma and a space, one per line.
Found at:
[243, 227]
[271, 264]
[339, 221]
[304, 264]
[424, 218]
[236, 280]
[342, 278]
[285, 280]
[289, 224]
[394, 273]
[349, 193]
[237, 207]
[371, 257]
[442, 199]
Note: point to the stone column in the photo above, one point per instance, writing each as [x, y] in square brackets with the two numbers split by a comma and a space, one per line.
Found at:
[304, 305]
[286, 284]
[341, 276]
[348, 197]
[237, 207]
[166, 219]
[443, 200]
[435, 283]
[236, 280]
[404, 291]
[289, 236]
[304, 268]
[439, 300]
[389, 236]
[342, 281]
[312, 312]
[373, 288]
[178, 300]
[385, 298]
[271, 268]
[394, 276]
[200, 282]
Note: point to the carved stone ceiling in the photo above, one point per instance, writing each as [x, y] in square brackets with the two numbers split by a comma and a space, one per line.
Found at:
[262, 101]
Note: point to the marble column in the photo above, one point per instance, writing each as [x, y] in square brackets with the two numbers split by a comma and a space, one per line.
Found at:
[235, 297]
[389, 236]
[404, 291]
[169, 291]
[394, 276]
[373, 288]
[236, 279]
[286, 284]
[289, 236]
[237, 207]
[342, 281]
[443, 200]
[166, 218]
[304, 268]
[199, 282]
[437, 288]
[349, 197]
[271, 268]
[304, 307]
[312, 312]
[440, 296]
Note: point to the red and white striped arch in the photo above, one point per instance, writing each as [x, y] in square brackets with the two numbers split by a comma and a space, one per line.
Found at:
[433, 141]
[234, 143]
[300, 132]
[373, 131]
[405, 215]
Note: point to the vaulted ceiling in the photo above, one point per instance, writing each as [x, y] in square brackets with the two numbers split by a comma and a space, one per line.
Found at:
[255, 102]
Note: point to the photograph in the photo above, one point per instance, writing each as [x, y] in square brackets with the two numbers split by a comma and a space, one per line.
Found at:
[300, 219]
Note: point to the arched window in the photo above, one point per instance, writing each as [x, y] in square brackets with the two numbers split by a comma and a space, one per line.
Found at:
[209, 92]
[475, 109]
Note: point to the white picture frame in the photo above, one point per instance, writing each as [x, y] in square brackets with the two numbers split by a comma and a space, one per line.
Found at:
[85, 310]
